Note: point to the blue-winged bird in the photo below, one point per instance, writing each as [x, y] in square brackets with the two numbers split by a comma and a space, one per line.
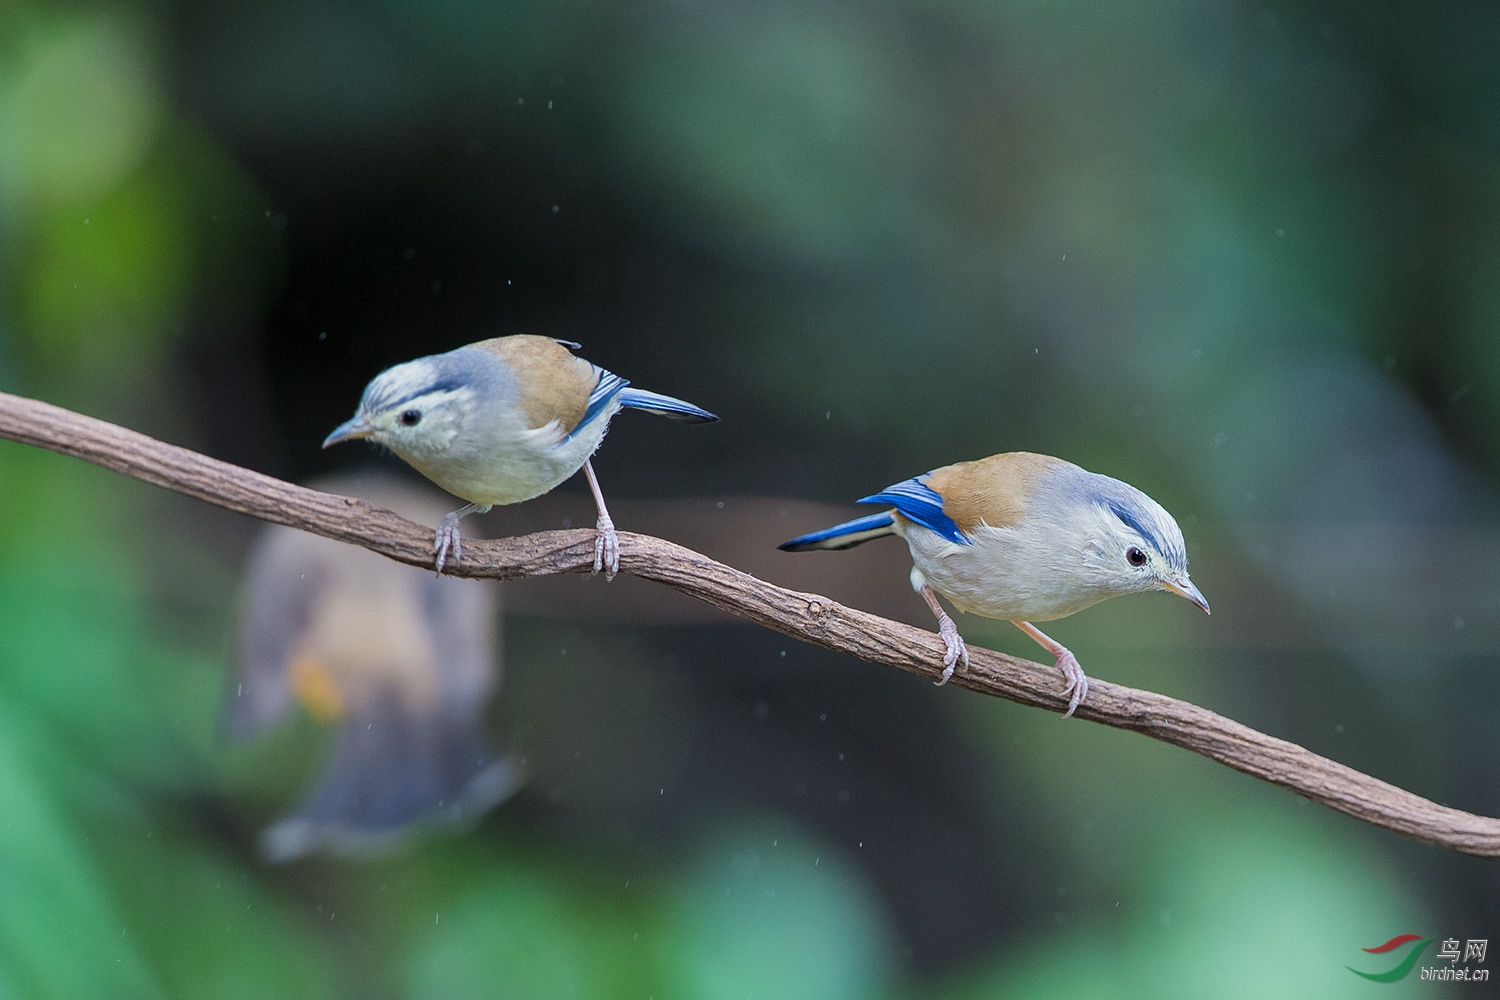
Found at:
[1023, 538]
[502, 421]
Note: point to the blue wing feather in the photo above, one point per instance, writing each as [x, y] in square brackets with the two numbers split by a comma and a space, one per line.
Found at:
[922, 504]
[608, 387]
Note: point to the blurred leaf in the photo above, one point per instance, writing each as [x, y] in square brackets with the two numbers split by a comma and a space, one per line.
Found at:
[528, 932]
[60, 934]
[766, 914]
[109, 282]
[208, 930]
[78, 107]
[1252, 909]
[74, 649]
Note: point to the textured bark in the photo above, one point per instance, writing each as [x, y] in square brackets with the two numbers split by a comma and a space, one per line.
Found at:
[808, 617]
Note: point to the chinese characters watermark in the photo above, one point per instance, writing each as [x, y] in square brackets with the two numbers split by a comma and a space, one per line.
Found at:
[1466, 959]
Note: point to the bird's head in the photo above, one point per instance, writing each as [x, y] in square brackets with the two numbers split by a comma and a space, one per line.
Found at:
[417, 409]
[1134, 544]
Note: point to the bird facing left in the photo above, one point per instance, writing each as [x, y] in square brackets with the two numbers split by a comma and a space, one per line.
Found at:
[501, 421]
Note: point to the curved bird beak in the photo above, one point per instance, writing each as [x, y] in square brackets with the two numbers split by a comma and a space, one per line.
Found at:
[1185, 588]
[358, 427]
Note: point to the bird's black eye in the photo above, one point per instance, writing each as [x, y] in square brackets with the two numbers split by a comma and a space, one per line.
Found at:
[1135, 556]
[411, 418]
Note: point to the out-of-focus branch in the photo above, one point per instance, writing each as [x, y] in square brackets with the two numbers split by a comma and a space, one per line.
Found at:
[808, 617]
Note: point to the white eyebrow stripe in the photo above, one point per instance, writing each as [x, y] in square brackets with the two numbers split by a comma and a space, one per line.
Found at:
[436, 398]
[402, 383]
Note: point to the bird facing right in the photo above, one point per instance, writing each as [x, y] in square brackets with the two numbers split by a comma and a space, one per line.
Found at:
[1022, 537]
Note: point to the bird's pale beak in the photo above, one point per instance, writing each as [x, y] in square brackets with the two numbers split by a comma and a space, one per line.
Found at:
[1185, 588]
[358, 427]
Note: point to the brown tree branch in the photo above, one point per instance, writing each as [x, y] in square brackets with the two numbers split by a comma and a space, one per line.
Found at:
[802, 616]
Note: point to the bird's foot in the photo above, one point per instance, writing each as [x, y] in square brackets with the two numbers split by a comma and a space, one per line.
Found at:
[447, 541]
[1078, 682]
[606, 548]
[956, 650]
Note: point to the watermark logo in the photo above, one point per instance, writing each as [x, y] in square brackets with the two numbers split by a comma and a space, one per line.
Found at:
[1408, 948]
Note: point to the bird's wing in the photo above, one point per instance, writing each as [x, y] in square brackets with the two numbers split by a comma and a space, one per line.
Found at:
[920, 503]
[463, 618]
[282, 585]
[552, 384]
[607, 388]
[992, 491]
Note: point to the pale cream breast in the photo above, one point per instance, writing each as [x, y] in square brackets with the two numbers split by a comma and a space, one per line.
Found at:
[1016, 573]
[991, 491]
[552, 383]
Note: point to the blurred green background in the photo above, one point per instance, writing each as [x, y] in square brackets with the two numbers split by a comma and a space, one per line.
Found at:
[1245, 256]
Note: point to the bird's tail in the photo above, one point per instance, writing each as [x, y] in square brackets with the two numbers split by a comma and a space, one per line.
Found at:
[664, 406]
[393, 773]
[844, 536]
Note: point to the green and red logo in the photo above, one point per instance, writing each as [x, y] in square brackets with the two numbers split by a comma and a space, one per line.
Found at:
[1403, 967]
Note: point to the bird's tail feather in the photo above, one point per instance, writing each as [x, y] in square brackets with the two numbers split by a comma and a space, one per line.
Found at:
[394, 772]
[664, 406]
[844, 536]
